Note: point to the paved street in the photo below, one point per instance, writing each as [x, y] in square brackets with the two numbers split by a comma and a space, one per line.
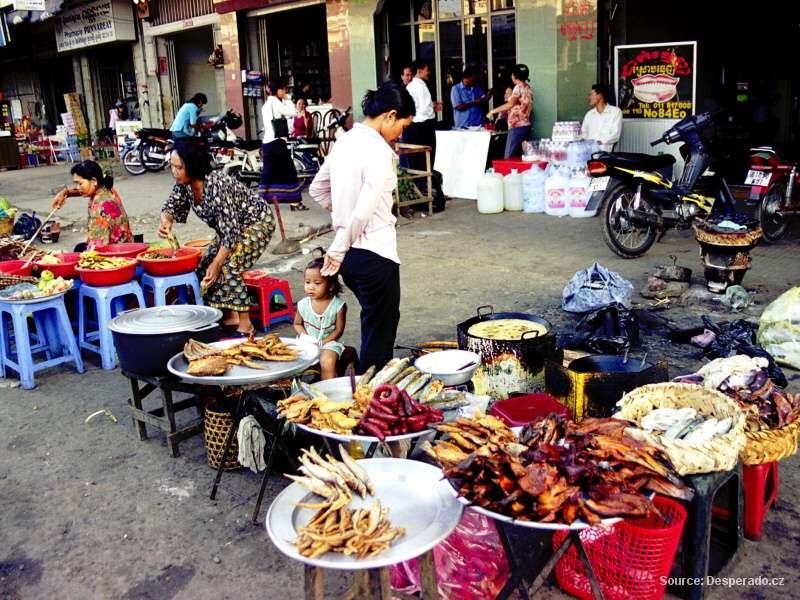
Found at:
[90, 511]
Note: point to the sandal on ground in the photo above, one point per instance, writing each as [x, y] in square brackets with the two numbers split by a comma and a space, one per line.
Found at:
[298, 206]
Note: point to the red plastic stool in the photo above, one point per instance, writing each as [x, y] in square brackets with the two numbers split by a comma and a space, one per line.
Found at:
[267, 289]
[760, 493]
[518, 411]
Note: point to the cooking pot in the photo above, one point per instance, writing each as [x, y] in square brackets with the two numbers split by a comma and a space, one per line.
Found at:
[453, 367]
[509, 365]
[145, 339]
[591, 386]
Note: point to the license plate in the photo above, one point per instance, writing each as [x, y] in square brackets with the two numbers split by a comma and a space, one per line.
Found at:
[757, 178]
[599, 184]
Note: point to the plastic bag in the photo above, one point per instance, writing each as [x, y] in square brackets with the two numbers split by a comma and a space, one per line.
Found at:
[594, 288]
[470, 562]
[609, 330]
[779, 328]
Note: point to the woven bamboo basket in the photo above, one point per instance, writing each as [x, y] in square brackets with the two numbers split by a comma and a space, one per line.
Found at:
[768, 445]
[733, 238]
[9, 280]
[216, 426]
[720, 453]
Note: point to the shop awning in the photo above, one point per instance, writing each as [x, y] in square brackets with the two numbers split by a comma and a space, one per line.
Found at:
[15, 17]
[226, 6]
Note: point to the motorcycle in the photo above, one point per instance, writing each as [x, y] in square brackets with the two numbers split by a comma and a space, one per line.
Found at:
[638, 199]
[306, 154]
[154, 148]
[130, 155]
[774, 183]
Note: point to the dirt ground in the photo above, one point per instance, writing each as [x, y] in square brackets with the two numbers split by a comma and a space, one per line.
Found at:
[89, 511]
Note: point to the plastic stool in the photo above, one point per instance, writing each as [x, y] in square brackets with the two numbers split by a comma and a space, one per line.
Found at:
[760, 493]
[182, 283]
[269, 288]
[696, 540]
[53, 336]
[108, 301]
[520, 410]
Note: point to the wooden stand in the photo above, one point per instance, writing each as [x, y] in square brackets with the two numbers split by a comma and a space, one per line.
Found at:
[373, 584]
[414, 174]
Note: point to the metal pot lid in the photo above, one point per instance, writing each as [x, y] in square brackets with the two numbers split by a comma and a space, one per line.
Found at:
[164, 319]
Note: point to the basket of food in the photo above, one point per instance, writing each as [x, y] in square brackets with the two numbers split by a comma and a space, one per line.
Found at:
[772, 415]
[163, 262]
[700, 429]
[60, 264]
[129, 250]
[103, 271]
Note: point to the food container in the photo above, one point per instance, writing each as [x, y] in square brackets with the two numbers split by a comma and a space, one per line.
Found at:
[107, 277]
[16, 267]
[178, 262]
[453, 367]
[129, 250]
[591, 386]
[509, 365]
[145, 339]
[65, 269]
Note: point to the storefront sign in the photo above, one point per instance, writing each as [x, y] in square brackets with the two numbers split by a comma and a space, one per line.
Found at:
[96, 23]
[656, 81]
[29, 5]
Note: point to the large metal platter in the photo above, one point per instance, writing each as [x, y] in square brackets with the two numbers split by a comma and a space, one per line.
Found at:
[417, 497]
[34, 300]
[241, 375]
[338, 390]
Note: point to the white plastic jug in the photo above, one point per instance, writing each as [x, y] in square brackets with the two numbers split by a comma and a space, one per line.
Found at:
[579, 195]
[490, 193]
[533, 198]
[512, 191]
[557, 203]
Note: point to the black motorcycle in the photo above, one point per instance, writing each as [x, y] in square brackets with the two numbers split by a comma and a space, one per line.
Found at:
[639, 201]
[154, 148]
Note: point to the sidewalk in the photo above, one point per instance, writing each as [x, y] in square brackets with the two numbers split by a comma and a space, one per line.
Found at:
[92, 512]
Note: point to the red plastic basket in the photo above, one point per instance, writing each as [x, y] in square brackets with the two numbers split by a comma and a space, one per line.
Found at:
[16, 267]
[127, 250]
[631, 559]
[518, 411]
[180, 261]
[504, 166]
[107, 277]
[66, 268]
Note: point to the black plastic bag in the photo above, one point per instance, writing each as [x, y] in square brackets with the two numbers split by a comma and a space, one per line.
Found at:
[27, 225]
[611, 329]
[740, 338]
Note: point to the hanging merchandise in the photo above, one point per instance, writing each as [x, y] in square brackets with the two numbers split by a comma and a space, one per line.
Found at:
[216, 58]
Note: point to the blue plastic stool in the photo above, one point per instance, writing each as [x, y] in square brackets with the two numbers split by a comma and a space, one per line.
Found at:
[160, 285]
[108, 301]
[53, 336]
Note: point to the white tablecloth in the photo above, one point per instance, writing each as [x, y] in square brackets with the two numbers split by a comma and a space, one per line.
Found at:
[461, 159]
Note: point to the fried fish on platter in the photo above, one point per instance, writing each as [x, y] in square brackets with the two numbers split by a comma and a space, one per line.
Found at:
[210, 365]
[193, 350]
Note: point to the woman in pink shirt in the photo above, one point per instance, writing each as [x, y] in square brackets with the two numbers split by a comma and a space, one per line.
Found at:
[519, 111]
[356, 183]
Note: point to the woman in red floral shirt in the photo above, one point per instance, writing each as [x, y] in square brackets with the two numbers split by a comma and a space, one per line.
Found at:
[519, 111]
[107, 220]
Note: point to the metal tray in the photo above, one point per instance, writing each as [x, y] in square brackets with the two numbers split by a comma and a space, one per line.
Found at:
[418, 500]
[241, 375]
[35, 300]
[576, 525]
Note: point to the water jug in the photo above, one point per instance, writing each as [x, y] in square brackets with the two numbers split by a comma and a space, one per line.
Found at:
[578, 192]
[555, 187]
[490, 193]
[512, 191]
[533, 199]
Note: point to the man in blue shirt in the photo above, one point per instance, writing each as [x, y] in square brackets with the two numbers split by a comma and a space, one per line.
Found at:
[185, 123]
[466, 98]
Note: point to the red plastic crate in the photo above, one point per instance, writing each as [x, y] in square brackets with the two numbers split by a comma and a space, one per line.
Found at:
[504, 166]
[760, 493]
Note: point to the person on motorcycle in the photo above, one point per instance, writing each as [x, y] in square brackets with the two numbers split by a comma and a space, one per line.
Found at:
[603, 122]
[186, 121]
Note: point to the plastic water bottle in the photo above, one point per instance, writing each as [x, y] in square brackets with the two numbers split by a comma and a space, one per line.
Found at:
[579, 195]
[512, 191]
[533, 198]
[490, 193]
[557, 203]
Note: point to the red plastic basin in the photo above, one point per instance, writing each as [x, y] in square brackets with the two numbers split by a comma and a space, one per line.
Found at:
[180, 261]
[518, 411]
[65, 269]
[106, 277]
[129, 250]
[15, 267]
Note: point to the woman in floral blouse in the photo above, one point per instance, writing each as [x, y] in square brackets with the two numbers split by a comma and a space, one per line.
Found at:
[519, 111]
[107, 221]
[243, 224]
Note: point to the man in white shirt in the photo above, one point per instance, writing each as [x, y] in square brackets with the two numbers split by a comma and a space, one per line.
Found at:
[603, 122]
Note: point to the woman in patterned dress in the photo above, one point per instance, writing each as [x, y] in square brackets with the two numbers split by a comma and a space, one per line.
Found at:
[243, 224]
[107, 220]
[519, 111]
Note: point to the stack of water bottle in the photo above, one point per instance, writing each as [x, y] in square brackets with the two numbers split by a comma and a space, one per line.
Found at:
[556, 184]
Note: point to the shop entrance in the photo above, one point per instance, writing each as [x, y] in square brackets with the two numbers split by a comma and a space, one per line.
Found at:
[190, 72]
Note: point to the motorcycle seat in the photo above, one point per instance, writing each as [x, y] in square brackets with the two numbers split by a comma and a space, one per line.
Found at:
[249, 145]
[153, 132]
[635, 160]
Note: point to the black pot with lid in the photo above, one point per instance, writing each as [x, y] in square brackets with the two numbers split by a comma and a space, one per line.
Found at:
[146, 338]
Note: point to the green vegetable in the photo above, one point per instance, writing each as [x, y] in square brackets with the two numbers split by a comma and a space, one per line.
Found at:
[47, 276]
[4, 203]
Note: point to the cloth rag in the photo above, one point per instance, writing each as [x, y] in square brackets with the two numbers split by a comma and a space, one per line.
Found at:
[251, 444]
